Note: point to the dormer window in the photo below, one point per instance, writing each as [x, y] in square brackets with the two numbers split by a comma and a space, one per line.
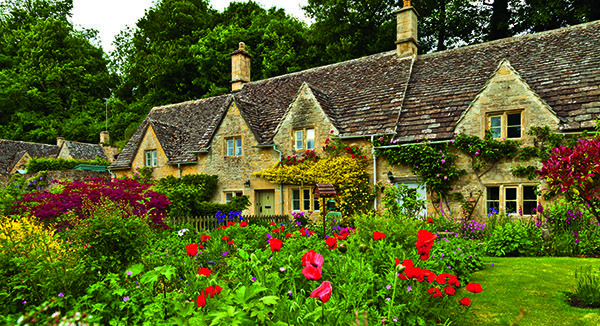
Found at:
[304, 139]
[233, 146]
[505, 125]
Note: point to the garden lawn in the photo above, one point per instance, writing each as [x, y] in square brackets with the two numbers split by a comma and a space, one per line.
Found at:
[536, 285]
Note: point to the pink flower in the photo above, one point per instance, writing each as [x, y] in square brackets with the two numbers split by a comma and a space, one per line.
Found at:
[323, 292]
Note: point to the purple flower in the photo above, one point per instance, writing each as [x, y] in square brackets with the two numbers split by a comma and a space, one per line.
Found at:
[225, 253]
[409, 288]
[253, 278]
[60, 294]
[126, 298]
[443, 161]
[129, 273]
[388, 287]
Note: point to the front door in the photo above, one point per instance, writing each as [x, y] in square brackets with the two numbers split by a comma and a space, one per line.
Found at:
[265, 202]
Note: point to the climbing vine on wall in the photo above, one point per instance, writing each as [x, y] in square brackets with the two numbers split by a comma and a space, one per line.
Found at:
[343, 166]
[433, 163]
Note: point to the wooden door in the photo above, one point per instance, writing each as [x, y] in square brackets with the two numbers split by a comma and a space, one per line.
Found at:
[265, 203]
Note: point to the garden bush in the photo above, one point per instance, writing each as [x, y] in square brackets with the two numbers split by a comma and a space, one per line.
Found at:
[517, 238]
[587, 290]
[37, 164]
[16, 189]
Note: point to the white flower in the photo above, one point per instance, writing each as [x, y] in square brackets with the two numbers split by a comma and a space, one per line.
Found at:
[182, 231]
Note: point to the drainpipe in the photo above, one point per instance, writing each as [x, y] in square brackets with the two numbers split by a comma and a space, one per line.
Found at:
[179, 168]
[374, 172]
[281, 184]
[112, 175]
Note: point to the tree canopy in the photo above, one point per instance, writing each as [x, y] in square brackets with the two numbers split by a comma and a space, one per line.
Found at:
[55, 81]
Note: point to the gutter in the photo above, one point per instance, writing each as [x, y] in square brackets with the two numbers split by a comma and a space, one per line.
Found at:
[409, 144]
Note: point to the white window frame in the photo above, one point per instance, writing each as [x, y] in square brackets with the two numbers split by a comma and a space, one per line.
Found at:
[304, 139]
[304, 203]
[503, 127]
[421, 190]
[233, 146]
[151, 158]
[503, 191]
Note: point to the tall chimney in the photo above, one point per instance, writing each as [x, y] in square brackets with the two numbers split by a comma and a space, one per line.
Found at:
[240, 67]
[406, 30]
[104, 137]
[60, 141]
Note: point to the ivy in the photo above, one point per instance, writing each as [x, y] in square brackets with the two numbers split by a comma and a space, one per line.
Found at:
[486, 152]
[433, 163]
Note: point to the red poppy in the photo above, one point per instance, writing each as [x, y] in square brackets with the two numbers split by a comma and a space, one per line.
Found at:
[313, 258]
[435, 292]
[397, 261]
[429, 275]
[200, 300]
[272, 223]
[288, 235]
[200, 246]
[378, 235]
[225, 238]
[275, 244]
[465, 301]
[331, 243]
[342, 236]
[430, 220]
[474, 287]
[424, 243]
[204, 271]
[441, 279]
[230, 242]
[192, 249]
[449, 290]
[282, 228]
[323, 292]
[243, 224]
[204, 237]
[311, 272]
[275, 231]
[210, 290]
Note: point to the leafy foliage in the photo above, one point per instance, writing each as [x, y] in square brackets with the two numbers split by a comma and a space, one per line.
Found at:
[51, 207]
[514, 239]
[37, 164]
[587, 290]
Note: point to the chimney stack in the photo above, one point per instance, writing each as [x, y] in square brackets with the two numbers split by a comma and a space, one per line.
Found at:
[104, 138]
[406, 30]
[240, 67]
[60, 141]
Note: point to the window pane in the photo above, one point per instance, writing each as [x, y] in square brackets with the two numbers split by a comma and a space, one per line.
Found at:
[238, 194]
[306, 199]
[238, 147]
[513, 126]
[228, 196]
[299, 139]
[496, 121]
[496, 133]
[316, 204]
[229, 147]
[154, 159]
[529, 193]
[310, 139]
[493, 199]
[148, 159]
[295, 199]
[528, 206]
[510, 200]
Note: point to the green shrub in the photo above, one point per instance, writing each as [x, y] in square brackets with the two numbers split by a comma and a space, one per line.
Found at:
[512, 239]
[116, 237]
[37, 164]
[17, 187]
[189, 194]
[587, 289]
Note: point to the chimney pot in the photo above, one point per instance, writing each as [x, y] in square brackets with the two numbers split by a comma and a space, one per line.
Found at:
[240, 67]
[104, 137]
[60, 141]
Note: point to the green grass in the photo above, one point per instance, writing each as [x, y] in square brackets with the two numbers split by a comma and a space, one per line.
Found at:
[536, 285]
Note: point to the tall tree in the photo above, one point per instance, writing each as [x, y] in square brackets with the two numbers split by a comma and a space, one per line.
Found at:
[52, 78]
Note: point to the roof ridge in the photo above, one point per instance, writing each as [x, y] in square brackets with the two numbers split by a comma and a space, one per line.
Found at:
[166, 106]
[376, 55]
[510, 39]
[26, 142]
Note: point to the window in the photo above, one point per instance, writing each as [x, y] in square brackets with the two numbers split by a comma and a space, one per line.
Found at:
[519, 199]
[506, 125]
[304, 139]
[303, 200]
[151, 159]
[230, 194]
[234, 146]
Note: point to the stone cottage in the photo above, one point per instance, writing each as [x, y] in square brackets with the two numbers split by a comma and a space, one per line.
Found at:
[506, 86]
[14, 155]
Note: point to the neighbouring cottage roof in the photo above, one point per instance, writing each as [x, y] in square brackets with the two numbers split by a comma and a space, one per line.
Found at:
[181, 129]
[11, 151]
[84, 151]
[414, 98]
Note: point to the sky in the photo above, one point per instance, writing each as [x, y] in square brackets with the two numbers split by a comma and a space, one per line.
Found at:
[109, 17]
